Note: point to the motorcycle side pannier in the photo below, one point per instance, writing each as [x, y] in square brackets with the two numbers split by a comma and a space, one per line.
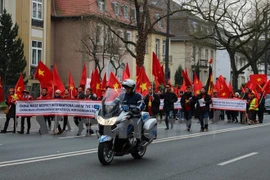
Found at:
[150, 129]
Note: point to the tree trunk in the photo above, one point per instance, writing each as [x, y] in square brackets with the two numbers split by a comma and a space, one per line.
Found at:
[235, 80]
[254, 68]
[140, 51]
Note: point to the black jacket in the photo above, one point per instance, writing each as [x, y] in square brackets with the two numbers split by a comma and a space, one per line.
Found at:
[261, 104]
[80, 96]
[132, 100]
[155, 103]
[187, 97]
[169, 99]
[207, 100]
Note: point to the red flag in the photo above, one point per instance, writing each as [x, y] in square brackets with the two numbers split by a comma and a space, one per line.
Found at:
[1, 91]
[104, 82]
[258, 79]
[83, 77]
[143, 83]
[183, 88]
[224, 89]
[113, 82]
[57, 83]
[95, 83]
[137, 71]
[161, 77]
[44, 75]
[156, 84]
[156, 68]
[127, 71]
[250, 85]
[197, 84]
[243, 90]
[19, 87]
[71, 86]
[186, 78]
[266, 88]
[231, 88]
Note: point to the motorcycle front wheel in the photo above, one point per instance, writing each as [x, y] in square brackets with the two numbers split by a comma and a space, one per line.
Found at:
[105, 153]
[139, 153]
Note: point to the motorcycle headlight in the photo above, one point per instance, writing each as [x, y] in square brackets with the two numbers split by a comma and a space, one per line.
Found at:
[106, 122]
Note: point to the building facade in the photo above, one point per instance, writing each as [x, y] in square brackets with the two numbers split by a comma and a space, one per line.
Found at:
[34, 20]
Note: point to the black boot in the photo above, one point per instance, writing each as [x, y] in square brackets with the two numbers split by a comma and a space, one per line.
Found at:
[20, 132]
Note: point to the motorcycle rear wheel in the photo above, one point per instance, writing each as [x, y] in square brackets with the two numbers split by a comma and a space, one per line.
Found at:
[105, 153]
[139, 153]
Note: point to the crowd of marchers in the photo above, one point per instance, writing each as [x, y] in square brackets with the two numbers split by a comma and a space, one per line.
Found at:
[190, 104]
[191, 107]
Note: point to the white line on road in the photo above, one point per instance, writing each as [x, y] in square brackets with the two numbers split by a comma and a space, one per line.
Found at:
[91, 151]
[237, 159]
[70, 137]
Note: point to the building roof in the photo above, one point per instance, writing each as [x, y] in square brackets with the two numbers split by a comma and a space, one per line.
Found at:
[78, 8]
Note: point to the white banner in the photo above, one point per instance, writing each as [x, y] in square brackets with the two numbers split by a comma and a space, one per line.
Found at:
[62, 107]
[177, 105]
[229, 104]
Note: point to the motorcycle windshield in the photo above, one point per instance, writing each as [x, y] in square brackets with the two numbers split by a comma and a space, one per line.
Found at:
[111, 102]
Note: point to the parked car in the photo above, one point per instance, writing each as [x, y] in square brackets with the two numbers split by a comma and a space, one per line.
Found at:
[267, 103]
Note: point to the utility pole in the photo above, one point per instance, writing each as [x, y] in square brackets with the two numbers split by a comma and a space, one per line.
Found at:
[266, 52]
[167, 44]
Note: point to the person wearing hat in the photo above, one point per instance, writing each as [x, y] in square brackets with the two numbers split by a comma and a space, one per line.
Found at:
[203, 104]
[26, 96]
[10, 101]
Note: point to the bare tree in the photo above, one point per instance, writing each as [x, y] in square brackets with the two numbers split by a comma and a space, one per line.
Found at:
[144, 16]
[100, 45]
[234, 28]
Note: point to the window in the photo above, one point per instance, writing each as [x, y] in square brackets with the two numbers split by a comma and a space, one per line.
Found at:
[36, 52]
[128, 38]
[146, 46]
[125, 11]
[212, 54]
[101, 5]
[164, 47]
[98, 35]
[160, 24]
[195, 27]
[157, 47]
[133, 10]
[2, 6]
[116, 8]
[37, 9]
[206, 54]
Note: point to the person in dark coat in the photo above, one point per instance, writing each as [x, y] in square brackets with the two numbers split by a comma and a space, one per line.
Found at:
[10, 101]
[187, 103]
[261, 108]
[152, 102]
[57, 95]
[26, 96]
[203, 104]
[169, 99]
[80, 95]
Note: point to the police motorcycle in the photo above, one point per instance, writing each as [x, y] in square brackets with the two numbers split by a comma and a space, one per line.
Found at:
[116, 132]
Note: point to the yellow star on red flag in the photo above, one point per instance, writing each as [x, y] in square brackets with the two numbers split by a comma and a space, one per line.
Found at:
[143, 86]
[97, 86]
[259, 79]
[40, 73]
[18, 89]
[224, 94]
[116, 86]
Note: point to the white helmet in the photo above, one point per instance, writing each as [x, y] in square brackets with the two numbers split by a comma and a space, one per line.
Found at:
[129, 83]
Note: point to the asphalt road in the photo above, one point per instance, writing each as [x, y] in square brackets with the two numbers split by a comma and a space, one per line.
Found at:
[227, 151]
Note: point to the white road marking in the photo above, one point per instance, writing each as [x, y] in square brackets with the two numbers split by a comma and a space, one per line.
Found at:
[91, 151]
[70, 137]
[237, 159]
